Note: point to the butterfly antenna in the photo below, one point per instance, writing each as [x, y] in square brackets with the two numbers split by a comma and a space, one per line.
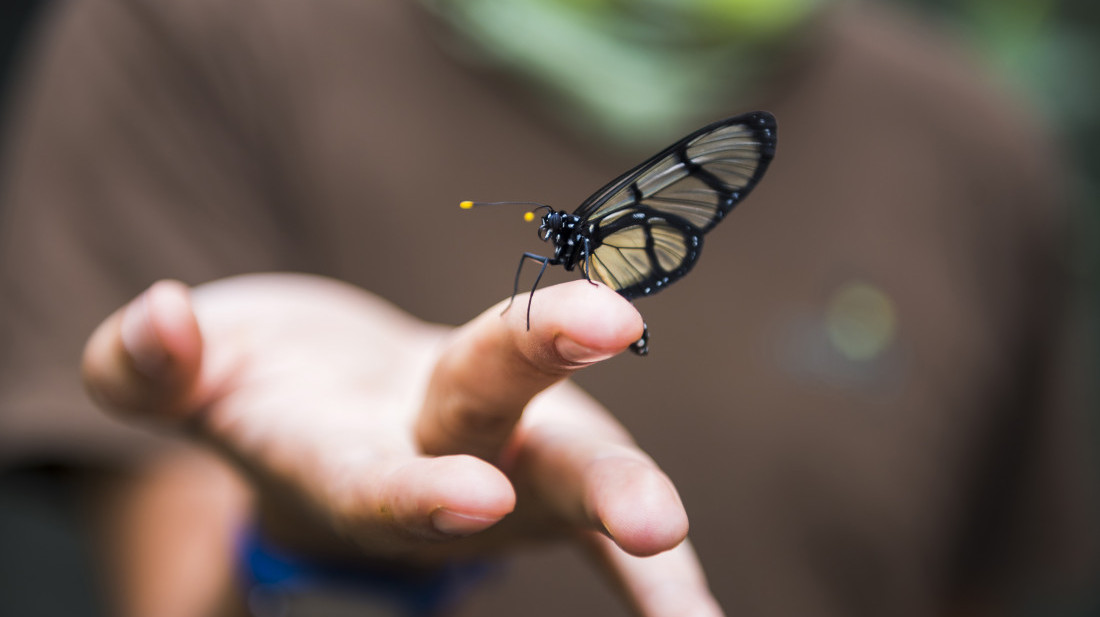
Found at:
[527, 216]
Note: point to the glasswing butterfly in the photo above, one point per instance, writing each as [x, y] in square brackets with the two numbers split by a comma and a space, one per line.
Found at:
[644, 230]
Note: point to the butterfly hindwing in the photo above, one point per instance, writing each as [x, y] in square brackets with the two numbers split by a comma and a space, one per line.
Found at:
[640, 253]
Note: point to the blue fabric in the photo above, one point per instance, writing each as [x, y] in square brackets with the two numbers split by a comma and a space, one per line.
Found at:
[270, 571]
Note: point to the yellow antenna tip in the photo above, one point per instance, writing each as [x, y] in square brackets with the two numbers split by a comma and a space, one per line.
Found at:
[465, 205]
[528, 216]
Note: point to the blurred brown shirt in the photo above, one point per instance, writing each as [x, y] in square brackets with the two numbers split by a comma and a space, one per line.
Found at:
[859, 390]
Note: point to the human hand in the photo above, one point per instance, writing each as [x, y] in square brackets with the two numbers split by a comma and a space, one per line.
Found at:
[415, 442]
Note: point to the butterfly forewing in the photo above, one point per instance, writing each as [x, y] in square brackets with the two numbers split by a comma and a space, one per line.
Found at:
[690, 199]
[726, 158]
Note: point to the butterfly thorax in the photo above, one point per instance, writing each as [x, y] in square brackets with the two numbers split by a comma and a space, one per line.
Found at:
[565, 231]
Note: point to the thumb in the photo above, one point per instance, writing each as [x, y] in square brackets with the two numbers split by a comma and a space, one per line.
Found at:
[143, 361]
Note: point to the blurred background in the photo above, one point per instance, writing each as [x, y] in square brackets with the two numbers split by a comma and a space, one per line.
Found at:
[1047, 50]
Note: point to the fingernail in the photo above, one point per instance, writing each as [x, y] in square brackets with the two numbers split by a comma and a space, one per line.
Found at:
[454, 523]
[572, 351]
[140, 340]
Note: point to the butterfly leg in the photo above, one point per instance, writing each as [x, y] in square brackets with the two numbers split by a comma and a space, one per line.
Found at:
[545, 261]
[531, 298]
[588, 260]
[519, 270]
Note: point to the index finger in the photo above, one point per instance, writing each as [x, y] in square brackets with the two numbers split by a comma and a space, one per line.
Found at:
[494, 365]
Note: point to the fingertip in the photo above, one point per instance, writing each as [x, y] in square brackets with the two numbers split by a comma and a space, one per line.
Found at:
[145, 357]
[445, 497]
[644, 514]
[581, 322]
[150, 319]
[644, 535]
[173, 323]
[470, 486]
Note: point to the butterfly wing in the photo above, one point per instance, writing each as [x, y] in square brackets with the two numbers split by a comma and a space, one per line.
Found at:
[641, 251]
[647, 226]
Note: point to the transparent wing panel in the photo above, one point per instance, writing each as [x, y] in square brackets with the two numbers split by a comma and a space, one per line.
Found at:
[690, 199]
[670, 245]
[642, 258]
[622, 260]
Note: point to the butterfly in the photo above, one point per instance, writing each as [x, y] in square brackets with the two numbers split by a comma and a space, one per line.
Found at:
[644, 230]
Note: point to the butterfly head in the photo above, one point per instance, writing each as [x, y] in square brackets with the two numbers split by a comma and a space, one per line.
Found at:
[558, 225]
[551, 225]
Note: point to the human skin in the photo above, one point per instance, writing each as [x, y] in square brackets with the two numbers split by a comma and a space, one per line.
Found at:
[365, 432]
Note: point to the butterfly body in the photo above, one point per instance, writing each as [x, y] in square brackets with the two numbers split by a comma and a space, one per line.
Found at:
[569, 237]
[644, 230]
